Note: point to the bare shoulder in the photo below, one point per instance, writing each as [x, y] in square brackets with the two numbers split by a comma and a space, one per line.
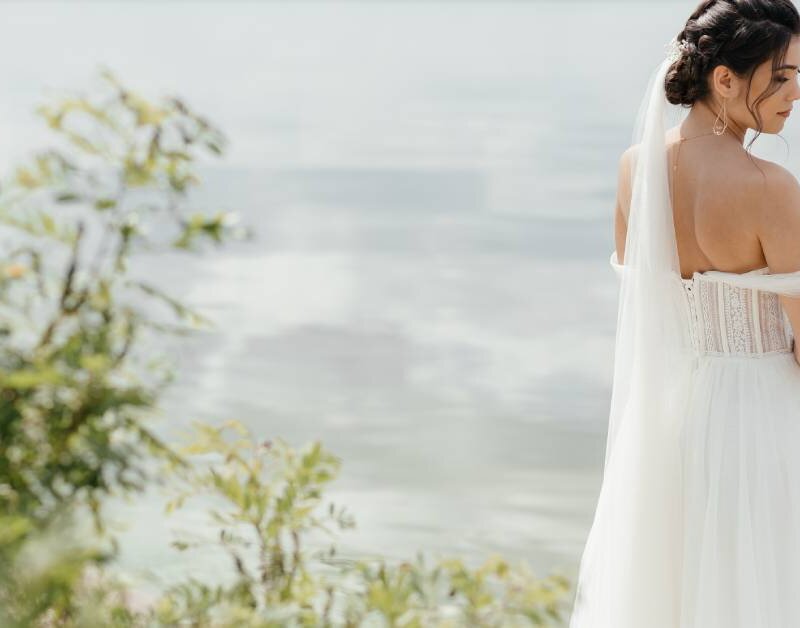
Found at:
[778, 191]
[776, 211]
[774, 172]
[629, 154]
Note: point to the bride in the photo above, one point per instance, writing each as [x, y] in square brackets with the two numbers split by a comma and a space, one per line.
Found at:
[698, 519]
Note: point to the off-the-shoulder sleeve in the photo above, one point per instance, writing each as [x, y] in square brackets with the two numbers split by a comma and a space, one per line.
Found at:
[618, 268]
[787, 284]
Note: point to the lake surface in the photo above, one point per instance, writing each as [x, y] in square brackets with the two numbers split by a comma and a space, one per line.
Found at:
[429, 294]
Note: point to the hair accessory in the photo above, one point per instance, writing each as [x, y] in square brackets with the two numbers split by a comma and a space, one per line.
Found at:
[674, 49]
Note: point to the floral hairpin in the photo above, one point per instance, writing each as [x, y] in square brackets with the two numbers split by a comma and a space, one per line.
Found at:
[674, 49]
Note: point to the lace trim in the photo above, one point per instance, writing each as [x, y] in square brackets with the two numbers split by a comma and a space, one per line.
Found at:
[729, 320]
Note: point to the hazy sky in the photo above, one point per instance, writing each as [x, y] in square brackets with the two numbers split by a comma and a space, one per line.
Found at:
[349, 84]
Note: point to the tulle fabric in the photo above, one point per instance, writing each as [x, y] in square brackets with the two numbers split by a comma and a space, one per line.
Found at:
[734, 520]
[740, 446]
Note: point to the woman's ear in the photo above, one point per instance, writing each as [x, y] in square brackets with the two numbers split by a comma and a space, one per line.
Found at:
[724, 82]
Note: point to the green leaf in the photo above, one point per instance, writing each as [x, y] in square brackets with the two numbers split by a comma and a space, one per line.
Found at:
[105, 203]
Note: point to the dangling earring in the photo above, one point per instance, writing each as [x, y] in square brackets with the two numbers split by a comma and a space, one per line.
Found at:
[725, 116]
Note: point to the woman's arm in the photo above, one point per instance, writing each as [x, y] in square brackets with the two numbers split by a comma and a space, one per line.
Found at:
[778, 226]
[623, 203]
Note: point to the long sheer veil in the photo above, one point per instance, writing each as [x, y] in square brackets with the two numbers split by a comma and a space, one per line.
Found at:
[630, 569]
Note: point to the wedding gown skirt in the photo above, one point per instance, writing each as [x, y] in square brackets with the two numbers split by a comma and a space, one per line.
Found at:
[740, 442]
[740, 462]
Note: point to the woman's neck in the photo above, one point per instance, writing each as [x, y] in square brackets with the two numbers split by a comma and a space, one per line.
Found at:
[701, 120]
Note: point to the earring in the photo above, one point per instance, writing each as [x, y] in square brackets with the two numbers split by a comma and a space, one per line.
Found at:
[725, 125]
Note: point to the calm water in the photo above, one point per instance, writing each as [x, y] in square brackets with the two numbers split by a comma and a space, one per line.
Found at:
[432, 186]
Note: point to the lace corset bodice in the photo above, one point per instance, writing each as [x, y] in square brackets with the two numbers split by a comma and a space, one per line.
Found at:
[734, 314]
[727, 319]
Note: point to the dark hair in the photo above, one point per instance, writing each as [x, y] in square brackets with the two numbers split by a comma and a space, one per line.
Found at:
[740, 34]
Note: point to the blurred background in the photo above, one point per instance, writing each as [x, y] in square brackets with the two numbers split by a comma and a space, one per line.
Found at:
[432, 189]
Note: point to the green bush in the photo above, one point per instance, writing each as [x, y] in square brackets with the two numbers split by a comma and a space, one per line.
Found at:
[78, 385]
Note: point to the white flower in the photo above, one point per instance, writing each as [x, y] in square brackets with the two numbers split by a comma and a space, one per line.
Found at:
[674, 48]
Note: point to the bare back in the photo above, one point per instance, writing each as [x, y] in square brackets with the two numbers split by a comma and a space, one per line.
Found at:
[715, 205]
[732, 212]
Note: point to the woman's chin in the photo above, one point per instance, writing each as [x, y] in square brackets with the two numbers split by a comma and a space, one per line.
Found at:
[777, 126]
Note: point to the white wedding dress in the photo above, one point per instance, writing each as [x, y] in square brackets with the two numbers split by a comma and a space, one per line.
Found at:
[740, 450]
[697, 523]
